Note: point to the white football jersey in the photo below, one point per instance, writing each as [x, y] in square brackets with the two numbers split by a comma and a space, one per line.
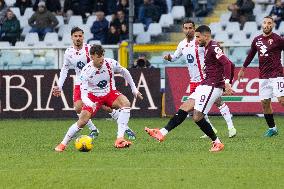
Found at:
[101, 81]
[194, 56]
[74, 59]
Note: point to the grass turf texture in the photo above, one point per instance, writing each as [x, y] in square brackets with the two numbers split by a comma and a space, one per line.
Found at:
[27, 158]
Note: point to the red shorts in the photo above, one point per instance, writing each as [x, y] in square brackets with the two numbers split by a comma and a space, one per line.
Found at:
[77, 93]
[193, 86]
[101, 100]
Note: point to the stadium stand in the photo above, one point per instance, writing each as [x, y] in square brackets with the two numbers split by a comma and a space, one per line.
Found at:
[178, 12]
[165, 29]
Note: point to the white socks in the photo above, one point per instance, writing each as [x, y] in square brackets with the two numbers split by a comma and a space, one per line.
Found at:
[70, 133]
[224, 110]
[164, 131]
[122, 121]
[114, 114]
[217, 140]
[90, 124]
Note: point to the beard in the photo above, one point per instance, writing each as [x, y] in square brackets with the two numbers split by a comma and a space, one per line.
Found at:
[78, 43]
[267, 31]
[189, 36]
[202, 44]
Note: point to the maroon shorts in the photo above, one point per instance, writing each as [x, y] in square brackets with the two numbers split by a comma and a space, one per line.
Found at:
[101, 100]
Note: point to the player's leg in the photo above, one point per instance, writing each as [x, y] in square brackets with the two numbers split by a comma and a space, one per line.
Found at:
[204, 99]
[281, 100]
[117, 100]
[78, 104]
[214, 129]
[266, 93]
[176, 120]
[73, 130]
[225, 112]
[115, 114]
[268, 115]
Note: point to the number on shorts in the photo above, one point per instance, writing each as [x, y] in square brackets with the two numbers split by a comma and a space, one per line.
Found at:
[280, 85]
[202, 98]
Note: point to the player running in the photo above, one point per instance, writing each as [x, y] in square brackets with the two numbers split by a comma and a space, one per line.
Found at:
[194, 55]
[217, 68]
[76, 57]
[269, 46]
[98, 88]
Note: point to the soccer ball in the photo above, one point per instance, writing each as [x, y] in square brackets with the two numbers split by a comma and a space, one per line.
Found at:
[84, 143]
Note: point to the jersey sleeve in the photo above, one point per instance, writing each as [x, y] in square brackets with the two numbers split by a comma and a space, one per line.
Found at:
[117, 68]
[84, 78]
[282, 43]
[223, 59]
[177, 54]
[251, 54]
[64, 70]
[115, 65]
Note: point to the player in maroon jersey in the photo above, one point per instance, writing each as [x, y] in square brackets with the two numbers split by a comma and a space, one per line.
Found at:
[217, 67]
[269, 46]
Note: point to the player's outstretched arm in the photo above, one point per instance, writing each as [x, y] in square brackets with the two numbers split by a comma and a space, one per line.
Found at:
[228, 89]
[241, 73]
[125, 73]
[63, 74]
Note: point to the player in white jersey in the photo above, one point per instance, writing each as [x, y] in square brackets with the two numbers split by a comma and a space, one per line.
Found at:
[98, 88]
[194, 55]
[76, 57]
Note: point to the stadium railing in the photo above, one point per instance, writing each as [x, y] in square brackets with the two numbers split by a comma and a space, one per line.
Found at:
[35, 57]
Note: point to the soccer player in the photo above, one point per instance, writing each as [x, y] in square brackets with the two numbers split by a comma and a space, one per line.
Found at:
[76, 57]
[217, 67]
[98, 88]
[194, 56]
[269, 46]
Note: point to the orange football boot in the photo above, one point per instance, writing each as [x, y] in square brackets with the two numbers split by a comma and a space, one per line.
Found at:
[155, 133]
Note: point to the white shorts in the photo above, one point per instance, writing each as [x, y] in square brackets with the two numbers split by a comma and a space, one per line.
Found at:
[205, 96]
[272, 87]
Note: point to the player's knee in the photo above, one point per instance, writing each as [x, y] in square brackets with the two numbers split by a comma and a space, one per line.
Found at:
[82, 122]
[218, 102]
[187, 106]
[125, 103]
[196, 117]
[78, 109]
[281, 101]
[265, 104]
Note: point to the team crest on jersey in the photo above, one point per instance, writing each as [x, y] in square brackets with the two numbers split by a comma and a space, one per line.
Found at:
[80, 65]
[102, 84]
[219, 52]
[190, 58]
[263, 50]
[259, 43]
[270, 41]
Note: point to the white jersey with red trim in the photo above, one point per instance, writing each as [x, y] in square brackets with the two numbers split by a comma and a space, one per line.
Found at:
[99, 82]
[74, 59]
[194, 56]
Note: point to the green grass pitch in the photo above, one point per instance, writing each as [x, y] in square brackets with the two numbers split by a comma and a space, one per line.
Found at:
[27, 158]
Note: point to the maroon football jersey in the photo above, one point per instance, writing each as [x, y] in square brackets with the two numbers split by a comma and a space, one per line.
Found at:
[269, 54]
[217, 66]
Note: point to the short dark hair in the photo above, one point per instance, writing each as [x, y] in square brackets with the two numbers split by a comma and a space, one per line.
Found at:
[203, 29]
[270, 17]
[76, 29]
[188, 21]
[97, 49]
